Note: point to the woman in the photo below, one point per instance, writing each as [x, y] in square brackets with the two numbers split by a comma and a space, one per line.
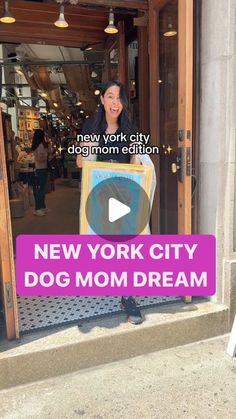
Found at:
[112, 118]
[40, 150]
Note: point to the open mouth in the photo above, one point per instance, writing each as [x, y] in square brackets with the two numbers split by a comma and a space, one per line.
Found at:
[114, 110]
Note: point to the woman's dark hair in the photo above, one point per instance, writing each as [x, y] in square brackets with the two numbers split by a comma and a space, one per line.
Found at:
[38, 138]
[99, 123]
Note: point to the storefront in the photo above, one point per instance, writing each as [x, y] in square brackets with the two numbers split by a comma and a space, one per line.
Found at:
[165, 102]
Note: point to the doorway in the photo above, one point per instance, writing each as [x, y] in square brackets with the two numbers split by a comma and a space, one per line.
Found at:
[165, 123]
[171, 98]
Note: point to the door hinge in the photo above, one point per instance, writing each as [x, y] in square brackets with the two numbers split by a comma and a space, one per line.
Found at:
[188, 134]
[8, 294]
[181, 134]
[180, 164]
[188, 161]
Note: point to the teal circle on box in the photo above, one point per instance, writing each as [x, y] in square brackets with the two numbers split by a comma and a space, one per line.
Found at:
[127, 192]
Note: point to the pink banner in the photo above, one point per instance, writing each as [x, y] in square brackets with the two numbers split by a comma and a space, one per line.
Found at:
[158, 265]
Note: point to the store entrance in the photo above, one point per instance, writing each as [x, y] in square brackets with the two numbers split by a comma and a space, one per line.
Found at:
[64, 114]
[56, 96]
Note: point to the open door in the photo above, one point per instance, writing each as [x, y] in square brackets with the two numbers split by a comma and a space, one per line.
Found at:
[171, 93]
[171, 97]
[7, 270]
[185, 109]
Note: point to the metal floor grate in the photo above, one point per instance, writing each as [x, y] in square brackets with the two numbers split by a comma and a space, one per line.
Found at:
[39, 312]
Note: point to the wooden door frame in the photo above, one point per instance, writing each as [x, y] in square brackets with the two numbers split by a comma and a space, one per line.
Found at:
[197, 7]
[7, 268]
[185, 14]
[185, 112]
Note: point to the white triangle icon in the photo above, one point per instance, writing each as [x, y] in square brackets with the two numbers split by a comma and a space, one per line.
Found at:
[117, 210]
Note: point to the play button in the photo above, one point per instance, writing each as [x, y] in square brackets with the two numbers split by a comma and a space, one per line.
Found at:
[117, 210]
[117, 206]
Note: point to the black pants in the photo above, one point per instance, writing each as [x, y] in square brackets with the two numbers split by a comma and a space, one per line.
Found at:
[40, 188]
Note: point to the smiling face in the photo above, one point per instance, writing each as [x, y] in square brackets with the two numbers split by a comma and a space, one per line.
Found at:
[112, 103]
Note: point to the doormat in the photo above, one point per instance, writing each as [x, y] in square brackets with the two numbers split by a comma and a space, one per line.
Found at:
[40, 312]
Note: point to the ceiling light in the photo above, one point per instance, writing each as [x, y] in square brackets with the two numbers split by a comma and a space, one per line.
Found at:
[43, 94]
[61, 22]
[19, 72]
[88, 48]
[87, 116]
[55, 104]
[97, 92]
[78, 103]
[94, 74]
[81, 111]
[170, 29]
[111, 28]
[7, 17]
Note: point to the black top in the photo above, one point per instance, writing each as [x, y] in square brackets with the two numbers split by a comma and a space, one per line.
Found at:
[114, 158]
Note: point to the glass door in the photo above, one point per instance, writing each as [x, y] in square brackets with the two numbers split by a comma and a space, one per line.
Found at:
[7, 271]
[168, 115]
[171, 91]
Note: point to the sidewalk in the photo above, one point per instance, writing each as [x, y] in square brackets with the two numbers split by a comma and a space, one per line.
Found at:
[195, 381]
[58, 351]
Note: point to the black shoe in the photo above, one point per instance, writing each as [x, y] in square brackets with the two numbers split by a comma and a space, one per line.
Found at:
[133, 313]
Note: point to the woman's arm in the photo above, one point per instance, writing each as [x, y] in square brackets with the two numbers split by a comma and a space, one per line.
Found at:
[90, 157]
[79, 161]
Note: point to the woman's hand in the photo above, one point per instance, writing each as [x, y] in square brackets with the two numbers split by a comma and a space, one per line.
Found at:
[79, 161]
[135, 159]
